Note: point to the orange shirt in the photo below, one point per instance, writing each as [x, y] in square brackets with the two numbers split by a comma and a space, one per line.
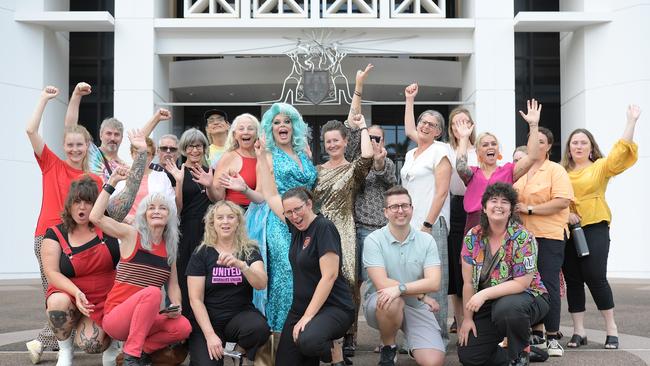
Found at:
[550, 181]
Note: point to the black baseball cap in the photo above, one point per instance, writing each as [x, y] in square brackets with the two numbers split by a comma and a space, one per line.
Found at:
[210, 112]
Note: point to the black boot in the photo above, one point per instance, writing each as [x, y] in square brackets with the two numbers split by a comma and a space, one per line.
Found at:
[348, 345]
[132, 360]
[523, 359]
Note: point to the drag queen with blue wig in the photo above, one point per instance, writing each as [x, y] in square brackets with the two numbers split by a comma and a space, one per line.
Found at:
[285, 134]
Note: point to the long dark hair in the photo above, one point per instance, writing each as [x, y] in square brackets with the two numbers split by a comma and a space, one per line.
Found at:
[81, 189]
[506, 191]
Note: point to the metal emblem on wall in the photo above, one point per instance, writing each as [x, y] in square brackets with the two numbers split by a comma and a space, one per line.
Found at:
[316, 85]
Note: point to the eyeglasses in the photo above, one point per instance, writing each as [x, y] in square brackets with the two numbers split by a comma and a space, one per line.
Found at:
[375, 138]
[194, 147]
[298, 210]
[216, 119]
[168, 149]
[396, 207]
[430, 124]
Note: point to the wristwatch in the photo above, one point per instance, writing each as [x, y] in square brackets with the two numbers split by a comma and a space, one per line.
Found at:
[530, 210]
[402, 288]
[427, 224]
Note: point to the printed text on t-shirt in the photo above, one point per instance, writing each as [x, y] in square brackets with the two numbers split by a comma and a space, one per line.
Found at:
[226, 275]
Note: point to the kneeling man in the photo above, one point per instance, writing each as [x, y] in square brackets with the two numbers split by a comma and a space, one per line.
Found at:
[403, 266]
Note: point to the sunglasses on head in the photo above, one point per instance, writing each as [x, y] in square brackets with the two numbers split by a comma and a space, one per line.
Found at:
[169, 149]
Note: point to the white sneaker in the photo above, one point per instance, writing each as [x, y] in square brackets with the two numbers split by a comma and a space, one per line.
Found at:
[66, 352]
[554, 348]
[35, 350]
[111, 353]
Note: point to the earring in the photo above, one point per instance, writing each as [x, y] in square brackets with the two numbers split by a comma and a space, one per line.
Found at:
[591, 156]
[499, 157]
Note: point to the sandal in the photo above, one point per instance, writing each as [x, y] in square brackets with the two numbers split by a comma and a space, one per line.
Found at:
[611, 342]
[576, 341]
[454, 327]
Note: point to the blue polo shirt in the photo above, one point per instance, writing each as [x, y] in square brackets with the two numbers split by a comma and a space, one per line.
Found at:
[403, 261]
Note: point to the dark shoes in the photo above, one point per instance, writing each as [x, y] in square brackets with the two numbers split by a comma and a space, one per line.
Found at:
[348, 345]
[388, 356]
[132, 360]
[523, 359]
[576, 341]
[453, 328]
[611, 342]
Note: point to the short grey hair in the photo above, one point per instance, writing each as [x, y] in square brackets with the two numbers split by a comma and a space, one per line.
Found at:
[190, 137]
[113, 123]
[231, 143]
[168, 136]
[171, 232]
[437, 115]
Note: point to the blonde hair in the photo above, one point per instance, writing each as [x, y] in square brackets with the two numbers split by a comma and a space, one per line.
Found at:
[244, 246]
[150, 146]
[86, 135]
[231, 142]
[453, 141]
[480, 138]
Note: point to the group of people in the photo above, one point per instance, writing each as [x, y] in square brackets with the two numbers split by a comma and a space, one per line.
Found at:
[247, 242]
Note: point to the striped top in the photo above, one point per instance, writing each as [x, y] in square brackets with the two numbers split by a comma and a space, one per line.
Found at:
[142, 269]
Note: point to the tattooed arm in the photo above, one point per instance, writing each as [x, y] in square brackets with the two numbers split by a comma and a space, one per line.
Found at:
[464, 129]
[120, 204]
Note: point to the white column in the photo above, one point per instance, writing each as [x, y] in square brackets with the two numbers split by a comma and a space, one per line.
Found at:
[603, 69]
[489, 73]
[34, 57]
[141, 76]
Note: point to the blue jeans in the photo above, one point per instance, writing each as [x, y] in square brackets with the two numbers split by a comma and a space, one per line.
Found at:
[362, 233]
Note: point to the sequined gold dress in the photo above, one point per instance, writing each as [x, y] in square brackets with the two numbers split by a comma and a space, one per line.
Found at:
[335, 191]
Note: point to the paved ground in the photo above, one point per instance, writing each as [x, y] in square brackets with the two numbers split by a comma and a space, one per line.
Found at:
[22, 315]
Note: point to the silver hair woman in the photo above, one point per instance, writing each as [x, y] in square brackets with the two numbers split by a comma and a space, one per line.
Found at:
[147, 262]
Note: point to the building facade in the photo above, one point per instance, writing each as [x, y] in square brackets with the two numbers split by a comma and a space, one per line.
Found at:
[586, 60]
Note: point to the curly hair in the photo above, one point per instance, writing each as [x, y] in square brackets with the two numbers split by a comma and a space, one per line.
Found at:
[171, 232]
[499, 189]
[243, 245]
[334, 125]
[231, 142]
[81, 189]
[299, 127]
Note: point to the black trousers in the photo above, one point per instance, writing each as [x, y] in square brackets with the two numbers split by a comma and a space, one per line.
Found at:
[457, 220]
[510, 316]
[550, 256]
[248, 329]
[590, 270]
[314, 344]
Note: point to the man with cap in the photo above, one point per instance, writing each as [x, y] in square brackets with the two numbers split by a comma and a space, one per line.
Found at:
[216, 129]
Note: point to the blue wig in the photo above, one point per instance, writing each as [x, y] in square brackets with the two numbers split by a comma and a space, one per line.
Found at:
[299, 134]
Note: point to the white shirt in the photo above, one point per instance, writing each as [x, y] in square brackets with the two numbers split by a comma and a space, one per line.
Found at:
[418, 177]
[456, 185]
[157, 182]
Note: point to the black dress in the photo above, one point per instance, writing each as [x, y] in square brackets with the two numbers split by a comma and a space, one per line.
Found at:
[195, 204]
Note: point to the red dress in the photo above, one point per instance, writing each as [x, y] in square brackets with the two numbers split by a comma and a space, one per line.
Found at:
[249, 175]
[94, 272]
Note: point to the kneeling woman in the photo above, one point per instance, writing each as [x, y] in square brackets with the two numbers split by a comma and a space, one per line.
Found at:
[322, 309]
[147, 261]
[221, 275]
[502, 292]
[79, 263]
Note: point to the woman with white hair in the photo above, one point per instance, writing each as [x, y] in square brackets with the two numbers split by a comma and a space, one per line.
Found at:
[235, 178]
[147, 261]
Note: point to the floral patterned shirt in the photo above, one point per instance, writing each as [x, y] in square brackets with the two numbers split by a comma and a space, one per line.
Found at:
[516, 257]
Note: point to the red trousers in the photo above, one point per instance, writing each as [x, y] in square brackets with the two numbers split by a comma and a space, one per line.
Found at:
[137, 322]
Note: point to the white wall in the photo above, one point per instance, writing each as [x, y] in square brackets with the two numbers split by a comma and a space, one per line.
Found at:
[605, 68]
[34, 57]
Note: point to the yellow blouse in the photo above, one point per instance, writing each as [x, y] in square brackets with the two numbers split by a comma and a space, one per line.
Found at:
[590, 183]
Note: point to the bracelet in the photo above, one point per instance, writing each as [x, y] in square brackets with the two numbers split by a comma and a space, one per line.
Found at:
[108, 188]
[363, 128]
[427, 224]
[357, 93]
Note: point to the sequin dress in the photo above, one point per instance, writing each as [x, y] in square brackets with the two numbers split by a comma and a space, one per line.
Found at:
[334, 195]
[288, 174]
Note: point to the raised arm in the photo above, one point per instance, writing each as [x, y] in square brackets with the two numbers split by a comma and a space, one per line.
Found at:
[124, 232]
[633, 113]
[34, 122]
[362, 75]
[72, 114]
[464, 129]
[532, 118]
[120, 205]
[359, 122]
[161, 114]
[410, 92]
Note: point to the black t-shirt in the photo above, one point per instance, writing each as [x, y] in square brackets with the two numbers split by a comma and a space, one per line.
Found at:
[227, 292]
[65, 266]
[195, 200]
[306, 249]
